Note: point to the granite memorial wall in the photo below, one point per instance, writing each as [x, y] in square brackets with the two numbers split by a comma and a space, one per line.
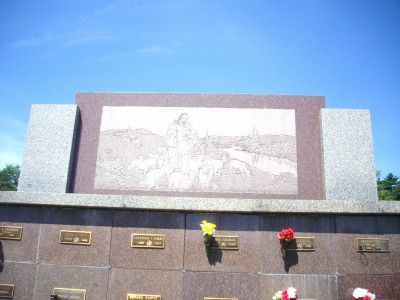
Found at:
[113, 189]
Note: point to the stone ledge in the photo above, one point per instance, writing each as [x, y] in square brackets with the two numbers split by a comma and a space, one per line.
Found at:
[234, 205]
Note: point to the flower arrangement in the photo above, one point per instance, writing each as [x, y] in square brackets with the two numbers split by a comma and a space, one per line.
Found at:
[288, 294]
[363, 294]
[286, 235]
[208, 231]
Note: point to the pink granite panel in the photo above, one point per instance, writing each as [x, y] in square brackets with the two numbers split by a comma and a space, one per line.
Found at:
[22, 276]
[320, 261]
[307, 109]
[308, 286]
[93, 280]
[171, 225]
[198, 285]
[29, 218]
[246, 259]
[349, 228]
[385, 287]
[97, 221]
[168, 284]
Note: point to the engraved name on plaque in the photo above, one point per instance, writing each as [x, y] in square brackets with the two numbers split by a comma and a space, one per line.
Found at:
[10, 232]
[373, 245]
[7, 291]
[69, 294]
[149, 241]
[75, 237]
[143, 297]
[225, 242]
[301, 244]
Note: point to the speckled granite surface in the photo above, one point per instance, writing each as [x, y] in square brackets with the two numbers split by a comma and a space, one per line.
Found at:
[168, 284]
[202, 204]
[383, 286]
[93, 280]
[171, 225]
[22, 276]
[348, 155]
[318, 287]
[98, 222]
[49, 149]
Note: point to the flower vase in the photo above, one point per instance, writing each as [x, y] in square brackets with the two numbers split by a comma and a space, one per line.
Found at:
[207, 240]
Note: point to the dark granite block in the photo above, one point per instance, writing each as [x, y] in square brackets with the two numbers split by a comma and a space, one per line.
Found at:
[352, 227]
[94, 220]
[168, 284]
[29, 218]
[169, 224]
[246, 259]
[383, 286]
[22, 275]
[320, 261]
[308, 286]
[197, 285]
[93, 280]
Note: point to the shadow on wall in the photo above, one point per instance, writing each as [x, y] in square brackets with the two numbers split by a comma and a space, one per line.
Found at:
[290, 258]
[214, 256]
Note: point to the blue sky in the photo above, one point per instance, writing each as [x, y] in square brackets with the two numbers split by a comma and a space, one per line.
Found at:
[347, 51]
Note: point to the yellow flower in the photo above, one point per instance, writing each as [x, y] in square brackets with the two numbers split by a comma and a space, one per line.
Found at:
[208, 228]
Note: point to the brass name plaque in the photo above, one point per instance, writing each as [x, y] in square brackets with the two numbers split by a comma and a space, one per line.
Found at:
[213, 298]
[301, 244]
[152, 241]
[75, 237]
[373, 245]
[69, 294]
[143, 297]
[7, 291]
[225, 242]
[10, 233]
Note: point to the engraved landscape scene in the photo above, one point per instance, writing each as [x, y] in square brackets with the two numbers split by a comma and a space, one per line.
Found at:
[197, 149]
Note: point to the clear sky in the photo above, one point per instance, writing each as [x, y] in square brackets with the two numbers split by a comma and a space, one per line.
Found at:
[347, 51]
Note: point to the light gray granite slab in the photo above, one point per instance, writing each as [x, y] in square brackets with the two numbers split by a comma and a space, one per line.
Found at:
[191, 204]
[348, 156]
[49, 149]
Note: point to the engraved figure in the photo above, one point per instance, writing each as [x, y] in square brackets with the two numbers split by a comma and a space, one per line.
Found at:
[181, 138]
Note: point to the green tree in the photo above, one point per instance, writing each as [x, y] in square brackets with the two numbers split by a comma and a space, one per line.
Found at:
[9, 178]
[389, 187]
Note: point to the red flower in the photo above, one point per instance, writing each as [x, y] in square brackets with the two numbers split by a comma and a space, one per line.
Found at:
[286, 234]
[285, 295]
[366, 297]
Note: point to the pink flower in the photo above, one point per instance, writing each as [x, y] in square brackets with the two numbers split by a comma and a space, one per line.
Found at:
[285, 295]
[286, 234]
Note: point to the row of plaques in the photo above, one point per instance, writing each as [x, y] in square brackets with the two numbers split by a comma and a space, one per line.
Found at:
[223, 242]
[7, 292]
[158, 297]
